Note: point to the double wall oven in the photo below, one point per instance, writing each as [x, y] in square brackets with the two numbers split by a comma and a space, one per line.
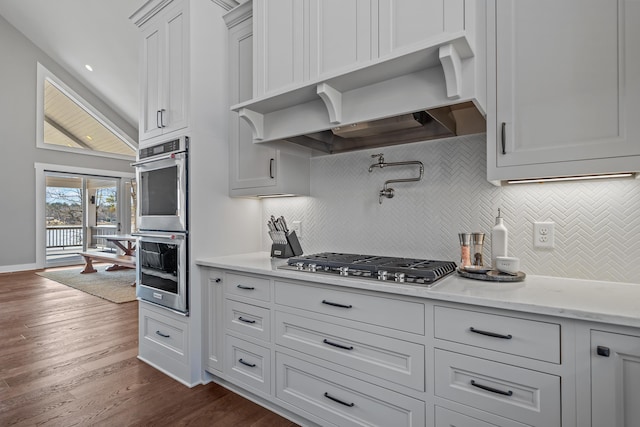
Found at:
[162, 263]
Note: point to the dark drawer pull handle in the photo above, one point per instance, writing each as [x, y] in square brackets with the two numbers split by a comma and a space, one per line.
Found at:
[335, 304]
[344, 347]
[271, 162]
[248, 288]
[162, 335]
[491, 389]
[504, 139]
[158, 119]
[603, 351]
[242, 319]
[328, 396]
[490, 334]
[251, 365]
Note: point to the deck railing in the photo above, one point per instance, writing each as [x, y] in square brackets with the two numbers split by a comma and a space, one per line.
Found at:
[64, 236]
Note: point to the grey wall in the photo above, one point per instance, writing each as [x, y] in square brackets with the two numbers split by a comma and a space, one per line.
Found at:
[18, 144]
[597, 222]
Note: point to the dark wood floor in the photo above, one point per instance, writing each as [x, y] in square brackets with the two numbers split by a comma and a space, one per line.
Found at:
[68, 358]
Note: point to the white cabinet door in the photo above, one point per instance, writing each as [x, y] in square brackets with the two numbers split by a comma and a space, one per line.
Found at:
[406, 22]
[164, 69]
[279, 44]
[251, 165]
[256, 169]
[150, 82]
[567, 76]
[341, 35]
[215, 312]
[300, 41]
[175, 82]
[615, 380]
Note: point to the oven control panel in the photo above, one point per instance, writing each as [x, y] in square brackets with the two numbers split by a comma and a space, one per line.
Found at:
[175, 145]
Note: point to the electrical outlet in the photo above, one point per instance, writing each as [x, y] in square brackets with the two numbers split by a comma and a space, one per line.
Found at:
[543, 234]
[297, 227]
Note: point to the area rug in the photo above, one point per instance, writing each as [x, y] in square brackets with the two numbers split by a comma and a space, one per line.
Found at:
[114, 286]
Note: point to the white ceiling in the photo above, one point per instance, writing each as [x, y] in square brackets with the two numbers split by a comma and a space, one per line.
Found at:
[79, 32]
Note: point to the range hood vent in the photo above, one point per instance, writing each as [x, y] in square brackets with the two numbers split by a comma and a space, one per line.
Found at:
[435, 90]
[436, 123]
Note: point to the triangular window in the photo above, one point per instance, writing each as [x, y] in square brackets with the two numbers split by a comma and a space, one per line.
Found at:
[67, 122]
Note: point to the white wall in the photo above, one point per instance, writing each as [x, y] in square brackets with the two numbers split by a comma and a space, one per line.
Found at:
[18, 144]
[597, 222]
[219, 224]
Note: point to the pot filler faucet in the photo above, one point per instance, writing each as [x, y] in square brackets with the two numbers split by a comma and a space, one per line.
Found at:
[386, 190]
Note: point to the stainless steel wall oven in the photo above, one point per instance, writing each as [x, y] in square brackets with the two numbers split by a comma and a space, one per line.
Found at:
[162, 174]
[162, 256]
[161, 269]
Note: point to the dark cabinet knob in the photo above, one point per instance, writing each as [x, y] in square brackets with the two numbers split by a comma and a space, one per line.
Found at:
[603, 351]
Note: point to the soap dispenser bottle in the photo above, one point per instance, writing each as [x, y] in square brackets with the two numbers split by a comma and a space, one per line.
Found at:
[499, 240]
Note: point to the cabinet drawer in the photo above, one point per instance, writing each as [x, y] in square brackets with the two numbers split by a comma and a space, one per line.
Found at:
[343, 400]
[382, 311]
[247, 319]
[395, 360]
[164, 334]
[447, 418]
[247, 286]
[248, 363]
[519, 394]
[521, 337]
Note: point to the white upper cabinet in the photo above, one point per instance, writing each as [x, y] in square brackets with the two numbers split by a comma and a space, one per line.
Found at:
[254, 169]
[341, 35]
[279, 48]
[566, 80]
[403, 23]
[164, 73]
[326, 63]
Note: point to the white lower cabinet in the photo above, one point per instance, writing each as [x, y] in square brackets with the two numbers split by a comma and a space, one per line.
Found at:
[248, 364]
[615, 379]
[337, 399]
[519, 394]
[338, 356]
[214, 318]
[448, 418]
[164, 341]
[391, 359]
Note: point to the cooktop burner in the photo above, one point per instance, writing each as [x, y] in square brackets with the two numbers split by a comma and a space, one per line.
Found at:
[401, 270]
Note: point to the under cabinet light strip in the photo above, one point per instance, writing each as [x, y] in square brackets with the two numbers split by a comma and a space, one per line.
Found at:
[570, 178]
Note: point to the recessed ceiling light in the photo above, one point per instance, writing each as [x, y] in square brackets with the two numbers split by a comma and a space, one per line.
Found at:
[88, 67]
[89, 137]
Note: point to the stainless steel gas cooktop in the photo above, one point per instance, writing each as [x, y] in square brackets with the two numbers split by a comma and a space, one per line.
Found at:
[374, 267]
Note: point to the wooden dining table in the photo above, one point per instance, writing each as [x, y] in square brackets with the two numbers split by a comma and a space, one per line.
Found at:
[126, 242]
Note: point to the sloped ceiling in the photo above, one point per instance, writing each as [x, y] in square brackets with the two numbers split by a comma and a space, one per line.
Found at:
[79, 32]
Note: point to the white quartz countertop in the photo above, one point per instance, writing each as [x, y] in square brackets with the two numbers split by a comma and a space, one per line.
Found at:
[607, 302]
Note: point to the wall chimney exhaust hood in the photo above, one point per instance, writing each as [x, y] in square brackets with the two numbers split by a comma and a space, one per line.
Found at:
[436, 90]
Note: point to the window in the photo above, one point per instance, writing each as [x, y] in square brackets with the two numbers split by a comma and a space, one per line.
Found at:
[67, 122]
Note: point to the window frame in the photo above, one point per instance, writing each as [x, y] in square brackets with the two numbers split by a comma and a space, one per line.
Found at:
[43, 74]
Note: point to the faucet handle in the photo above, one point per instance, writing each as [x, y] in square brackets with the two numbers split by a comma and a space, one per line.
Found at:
[379, 156]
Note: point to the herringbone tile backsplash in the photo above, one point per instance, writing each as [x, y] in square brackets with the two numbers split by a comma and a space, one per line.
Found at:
[597, 222]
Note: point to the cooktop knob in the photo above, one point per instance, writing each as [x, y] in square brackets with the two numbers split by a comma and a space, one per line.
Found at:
[312, 267]
[344, 271]
[300, 265]
[383, 275]
[400, 277]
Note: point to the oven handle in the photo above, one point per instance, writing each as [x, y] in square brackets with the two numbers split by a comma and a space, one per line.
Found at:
[172, 155]
[159, 236]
